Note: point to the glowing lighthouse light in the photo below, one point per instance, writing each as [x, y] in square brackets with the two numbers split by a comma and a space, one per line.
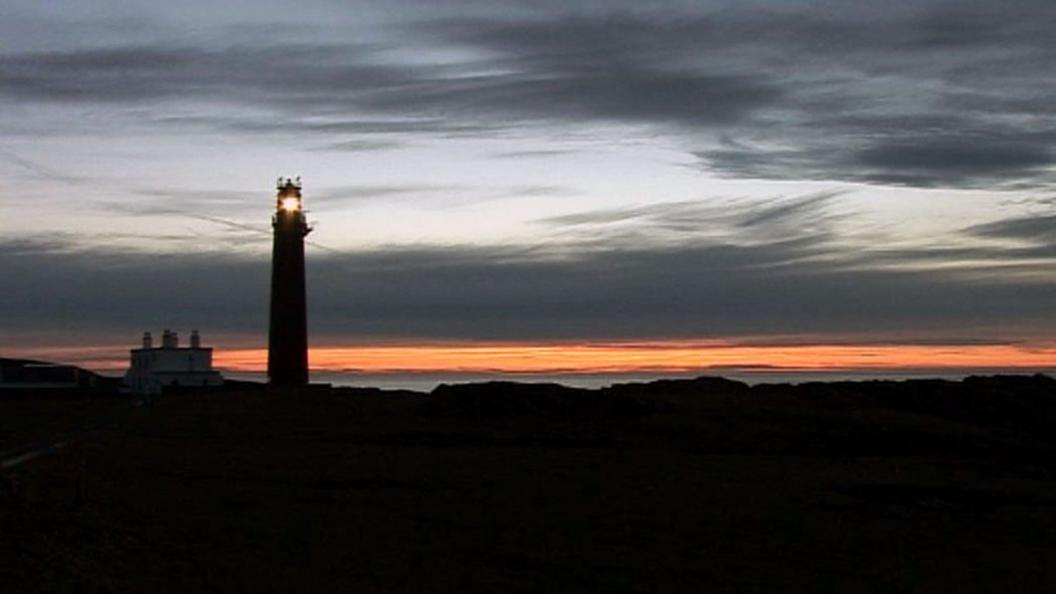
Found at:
[288, 201]
[290, 204]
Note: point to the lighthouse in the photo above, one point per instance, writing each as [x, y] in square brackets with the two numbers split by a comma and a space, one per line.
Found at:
[288, 328]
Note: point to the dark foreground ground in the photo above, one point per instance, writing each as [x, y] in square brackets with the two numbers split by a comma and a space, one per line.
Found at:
[693, 486]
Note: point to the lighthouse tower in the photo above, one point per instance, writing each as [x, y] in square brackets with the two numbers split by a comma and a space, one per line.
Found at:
[288, 329]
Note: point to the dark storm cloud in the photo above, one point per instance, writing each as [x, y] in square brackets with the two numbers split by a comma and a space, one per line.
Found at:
[937, 94]
[282, 75]
[326, 77]
[785, 272]
[976, 161]
[925, 93]
[507, 293]
[947, 160]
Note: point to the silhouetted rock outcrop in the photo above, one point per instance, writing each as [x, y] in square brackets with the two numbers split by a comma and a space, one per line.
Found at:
[1026, 404]
[509, 399]
[680, 392]
[1021, 403]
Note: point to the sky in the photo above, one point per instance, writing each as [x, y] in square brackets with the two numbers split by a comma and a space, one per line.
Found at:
[536, 187]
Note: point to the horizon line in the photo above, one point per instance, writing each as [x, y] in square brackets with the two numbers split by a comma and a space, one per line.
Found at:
[650, 357]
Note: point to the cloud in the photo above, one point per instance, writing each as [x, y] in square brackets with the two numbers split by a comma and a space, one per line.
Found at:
[900, 96]
[317, 78]
[1040, 229]
[361, 145]
[1010, 251]
[762, 282]
[939, 160]
[923, 94]
[355, 193]
[731, 220]
[144, 72]
[533, 154]
[992, 159]
[802, 210]
[43, 172]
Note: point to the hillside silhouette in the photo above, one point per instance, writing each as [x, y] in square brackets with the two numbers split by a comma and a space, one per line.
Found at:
[665, 486]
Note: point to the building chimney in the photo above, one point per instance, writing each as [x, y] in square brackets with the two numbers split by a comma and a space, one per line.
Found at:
[169, 340]
[196, 340]
[148, 342]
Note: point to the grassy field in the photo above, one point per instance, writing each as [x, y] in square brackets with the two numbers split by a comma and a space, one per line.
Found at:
[711, 488]
[27, 418]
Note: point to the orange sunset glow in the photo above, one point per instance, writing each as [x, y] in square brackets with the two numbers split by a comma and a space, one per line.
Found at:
[605, 357]
[529, 358]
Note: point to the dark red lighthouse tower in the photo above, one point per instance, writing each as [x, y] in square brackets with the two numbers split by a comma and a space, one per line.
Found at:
[288, 329]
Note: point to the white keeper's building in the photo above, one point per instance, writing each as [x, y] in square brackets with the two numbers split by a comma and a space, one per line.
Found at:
[170, 365]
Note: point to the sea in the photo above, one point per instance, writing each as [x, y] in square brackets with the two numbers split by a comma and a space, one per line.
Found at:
[426, 382]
